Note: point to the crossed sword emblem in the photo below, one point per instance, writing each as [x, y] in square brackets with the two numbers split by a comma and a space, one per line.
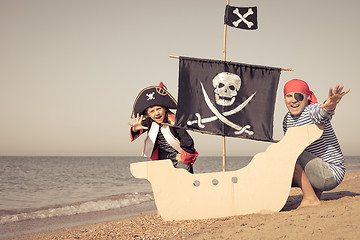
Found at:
[222, 117]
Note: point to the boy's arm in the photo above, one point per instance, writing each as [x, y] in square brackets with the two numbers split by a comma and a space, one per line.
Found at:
[187, 158]
[135, 135]
[188, 154]
[138, 127]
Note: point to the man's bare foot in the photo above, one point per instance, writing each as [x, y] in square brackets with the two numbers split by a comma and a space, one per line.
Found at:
[310, 202]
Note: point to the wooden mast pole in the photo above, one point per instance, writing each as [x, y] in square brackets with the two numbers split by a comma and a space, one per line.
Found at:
[224, 59]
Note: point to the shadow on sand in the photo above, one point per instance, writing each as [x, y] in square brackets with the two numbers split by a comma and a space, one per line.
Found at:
[293, 202]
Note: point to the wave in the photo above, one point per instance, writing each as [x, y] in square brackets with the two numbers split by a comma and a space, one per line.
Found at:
[101, 204]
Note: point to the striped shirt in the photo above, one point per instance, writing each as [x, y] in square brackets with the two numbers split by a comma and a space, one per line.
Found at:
[163, 144]
[327, 146]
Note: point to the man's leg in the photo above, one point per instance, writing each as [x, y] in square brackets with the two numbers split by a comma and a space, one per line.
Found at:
[318, 173]
[309, 195]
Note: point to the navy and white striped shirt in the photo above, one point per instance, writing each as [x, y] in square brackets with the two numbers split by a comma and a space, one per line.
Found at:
[327, 146]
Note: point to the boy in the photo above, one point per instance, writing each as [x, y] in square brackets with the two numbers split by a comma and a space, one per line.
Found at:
[320, 167]
[151, 110]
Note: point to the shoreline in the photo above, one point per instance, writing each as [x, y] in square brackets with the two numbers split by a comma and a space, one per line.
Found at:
[34, 226]
[338, 216]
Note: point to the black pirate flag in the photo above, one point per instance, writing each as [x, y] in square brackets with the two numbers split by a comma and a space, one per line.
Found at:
[227, 98]
[241, 17]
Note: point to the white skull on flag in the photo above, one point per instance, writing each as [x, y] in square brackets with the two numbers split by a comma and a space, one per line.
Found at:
[226, 87]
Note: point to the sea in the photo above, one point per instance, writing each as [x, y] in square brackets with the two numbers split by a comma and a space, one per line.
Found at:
[40, 187]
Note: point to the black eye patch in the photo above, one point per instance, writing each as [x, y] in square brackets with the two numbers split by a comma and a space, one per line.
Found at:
[299, 96]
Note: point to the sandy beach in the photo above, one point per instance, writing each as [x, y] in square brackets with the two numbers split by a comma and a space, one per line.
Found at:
[338, 217]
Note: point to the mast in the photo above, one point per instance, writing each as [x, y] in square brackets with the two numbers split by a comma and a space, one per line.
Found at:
[224, 59]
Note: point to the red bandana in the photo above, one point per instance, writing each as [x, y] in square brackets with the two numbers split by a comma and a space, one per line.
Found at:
[297, 85]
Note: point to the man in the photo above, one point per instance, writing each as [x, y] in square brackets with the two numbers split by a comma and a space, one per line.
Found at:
[321, 165]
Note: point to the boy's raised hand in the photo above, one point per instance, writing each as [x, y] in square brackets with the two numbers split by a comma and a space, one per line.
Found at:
[136, 126]
[334, 97]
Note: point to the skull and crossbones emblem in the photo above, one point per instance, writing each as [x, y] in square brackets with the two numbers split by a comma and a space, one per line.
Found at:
[242, 18]
[150, 96]
[226, 86]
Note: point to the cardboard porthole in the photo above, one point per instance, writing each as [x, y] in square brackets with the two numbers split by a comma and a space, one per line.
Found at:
[215, 182]
[196, 183]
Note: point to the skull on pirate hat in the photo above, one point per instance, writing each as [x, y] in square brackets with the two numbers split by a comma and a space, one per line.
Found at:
[153, 96]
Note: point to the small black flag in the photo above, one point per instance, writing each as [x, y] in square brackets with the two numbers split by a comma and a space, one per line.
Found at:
[241, 17]
[227, 98]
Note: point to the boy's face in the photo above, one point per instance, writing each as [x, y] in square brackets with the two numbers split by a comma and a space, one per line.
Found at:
[296, 102]
[156, 113]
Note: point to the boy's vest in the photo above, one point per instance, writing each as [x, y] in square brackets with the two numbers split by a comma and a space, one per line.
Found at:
[151, 138]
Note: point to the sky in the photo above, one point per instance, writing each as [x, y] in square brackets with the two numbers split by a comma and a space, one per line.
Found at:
[71, 70]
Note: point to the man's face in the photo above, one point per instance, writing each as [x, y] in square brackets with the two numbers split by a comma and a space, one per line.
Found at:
[296, 102]
[156, 113]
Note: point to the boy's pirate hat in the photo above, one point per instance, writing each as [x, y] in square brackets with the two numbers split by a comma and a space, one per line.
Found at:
[153, 96]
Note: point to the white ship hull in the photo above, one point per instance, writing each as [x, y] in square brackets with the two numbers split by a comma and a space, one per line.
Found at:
[262, 186]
